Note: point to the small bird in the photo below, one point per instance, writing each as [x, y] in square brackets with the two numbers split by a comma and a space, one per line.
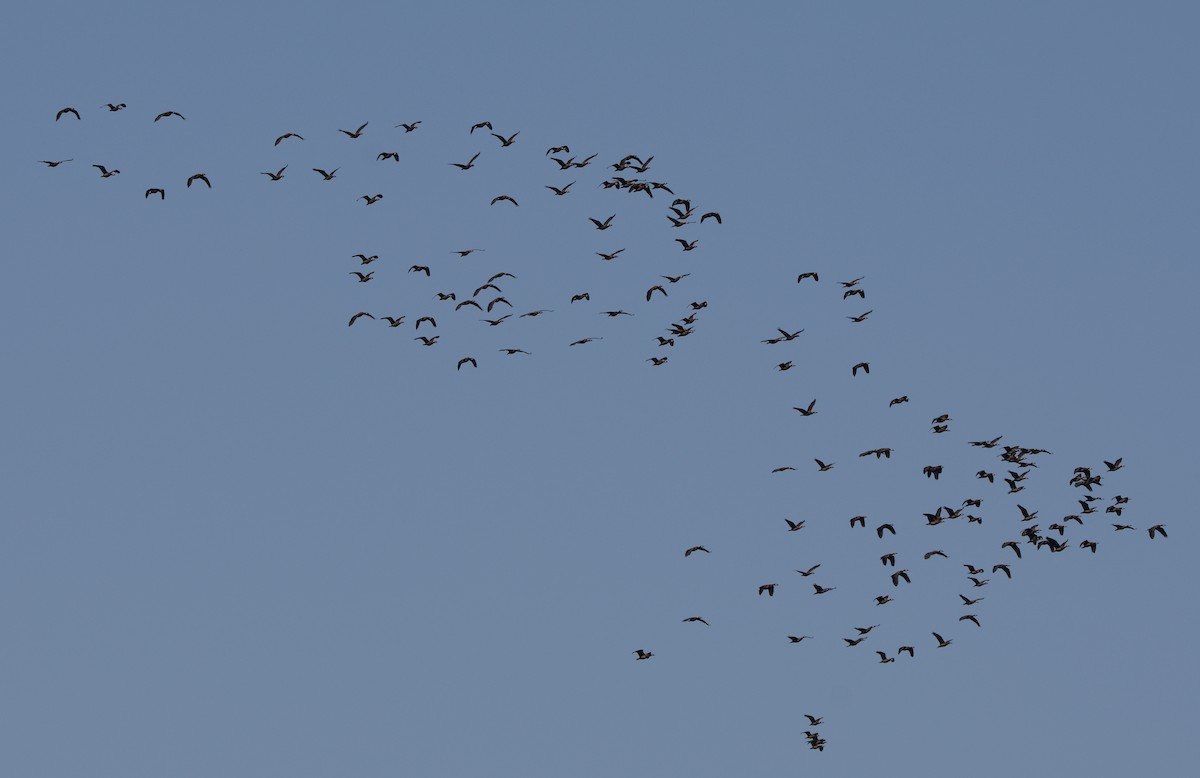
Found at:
[59, 115]
[512, 351]
[970, 617]
[356, 317]
[105, 172]
[768, 588]
[888, 559]
[896, 576]
[496, 322]
[362, 279]
[419, 269]
[942, 642]
[465, 360]
[822, 467]
[860, 318]
[1088, 544]
[1159, 529]
[695, 618]
[880, 530]
[609, 257]
[384, 155]
[327, 176]
[694, 549]
[818, 589]
[502, 198]
[480, 126]
[795, 526]
[806, 411]
[711, 215]
[675, 279]
[1002, 568]
[613, 314]
[883, 599]
[852, 292]
[848, 284]
[581, 296]
[968, 601]
[371, 199]
[562, 191]
[277, 175]
[506, 142]
[809, 571]
[468, 164]
[55, 163]
[936, 552]
[287, 135]
[643, 654]
[658, 360]
[687, 246]
[443, 296]
[1113, 466]
[114, 108]
[866, 367]
[785, 365]
[884, 659]
[162, 195]
[557, 150]
[365, 259]
[1013, 545]
[851, 642]
[357, 133]
[538, 312]
[582, 341]
[465, 252]
[166, 114]
[979, 582]
[408, 127]
[810, 274]
[898, 400]
[602, 225]
[653, 289]
[394, 321]
[199, 177]
[429, 319]
[427, 341]
[798, 638]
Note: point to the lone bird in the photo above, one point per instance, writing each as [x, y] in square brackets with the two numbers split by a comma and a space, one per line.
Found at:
[866, 367]
[694, 549]
[696, 618]
[643, 654]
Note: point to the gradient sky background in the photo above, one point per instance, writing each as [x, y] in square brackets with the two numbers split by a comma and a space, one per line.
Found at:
[240, 538]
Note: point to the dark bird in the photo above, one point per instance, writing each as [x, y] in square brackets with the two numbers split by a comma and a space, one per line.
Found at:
[429, 319]
[609, 257]
[851, 292]
[534, 313]
[818, 589]
[612, 314]
[973, 570]
[653, 289]
[427, 341]
[500, 198]
[898, 400]
[443, 296]
[798, 638]
[1088, 544]
[465, 360]
[512, 351]
[162, 195]
[1026, 514]
[861, 318]
[862, 522]
[1013, 545]
[1159, 529]
[165, 114]
[408, 127]
[328, 176]
[880, 529]
[888, 559]
[277, 175]
[558, 150]
[809, 571]
[55, 163]
[602, 225]
[365, 259]
[658, 360]
[199, 177]
[991, 477]
[665, 341]
[986, 443]
[794, 526]
[884, 659]
[865, 630]
[1002, 568]
[114, 108]
[643, 654]
[822, 467]
[883, 599]
[356, 316]
[496, 302]
[496, 322]
[580, 296]
[905, 649]
[936, 552]
[287, 135]
[806, 411]
[896, 576]
[419, 269]
[942, 643]
[686, 245]
[362, 279]
[59, 115]
[968, 601]
[711, 215]
[695, 618]
[851, 642]
[488, 285]
[848, 284]
[970, 617]
[472, 303]
[783, 469]
[785, 365]
[105, 172]
[979, 582]
[582, 341]
[809, 274]
[562, 191]
[468, 164]
[480, 126]
[384, 155]
[356, 133]
[506, 142]
[864, 365]
[465, 252]
[694, 549]
[394, 321]
[768, 588]
[1113, 466]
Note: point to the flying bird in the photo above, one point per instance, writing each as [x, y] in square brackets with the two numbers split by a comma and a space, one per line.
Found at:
[768, 588]
[503, 197]
[166, 114]
[55, 163]
[643, 654]
[362, 279]
[864, 365]
[468, 164]
[694, 549]
[114, 108]
[162, 195]
[465, 360]
[480, 126]
[327, 176]
[59, 115]
[199, 177]
[105, 172]
[287, 135]
[408, 127]
[277, 175]
[602, 225]
[357, 133]
[562, 191]
[357, 316]
[506, 142]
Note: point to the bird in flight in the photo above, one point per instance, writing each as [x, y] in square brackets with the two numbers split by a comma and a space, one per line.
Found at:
[480, 126]
[502, 198]
[357, 316]
[711, 215]
[277, 175]
[866, 367]
[199, 177]
[942, 642]
[822, 467]
[695, 618]
[55, 163]
[602, 225]
[609, 257]
[386, 155]
[466, 360]
[60, 114]
[287, 135]
[105, 172]
[643, 654]
[371, 199]
[511, 351]
[687, 246]
[357, 133]
[427, 341]
[806, 411]
[408, 127]
[114, 108]
[465, 252]
[162, 195]
[166, 114]
[469, 163]
[860, 318]
[327, 176]
[768, 588]
[506, 142]
[582, 341]
[694, 549]
[795, 526]
[810, 274]
[563, 191]
[809, 571]
[362, 278]
[798, 638]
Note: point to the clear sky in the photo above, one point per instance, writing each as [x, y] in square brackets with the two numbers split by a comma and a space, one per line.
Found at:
[240, 538]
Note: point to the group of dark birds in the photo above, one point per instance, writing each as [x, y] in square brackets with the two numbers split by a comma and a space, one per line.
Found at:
[490, 295]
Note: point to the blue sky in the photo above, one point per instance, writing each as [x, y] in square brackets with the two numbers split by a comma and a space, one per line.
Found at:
[240, 537]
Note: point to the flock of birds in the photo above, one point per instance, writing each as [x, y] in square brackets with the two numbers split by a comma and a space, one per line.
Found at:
[489, 297]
